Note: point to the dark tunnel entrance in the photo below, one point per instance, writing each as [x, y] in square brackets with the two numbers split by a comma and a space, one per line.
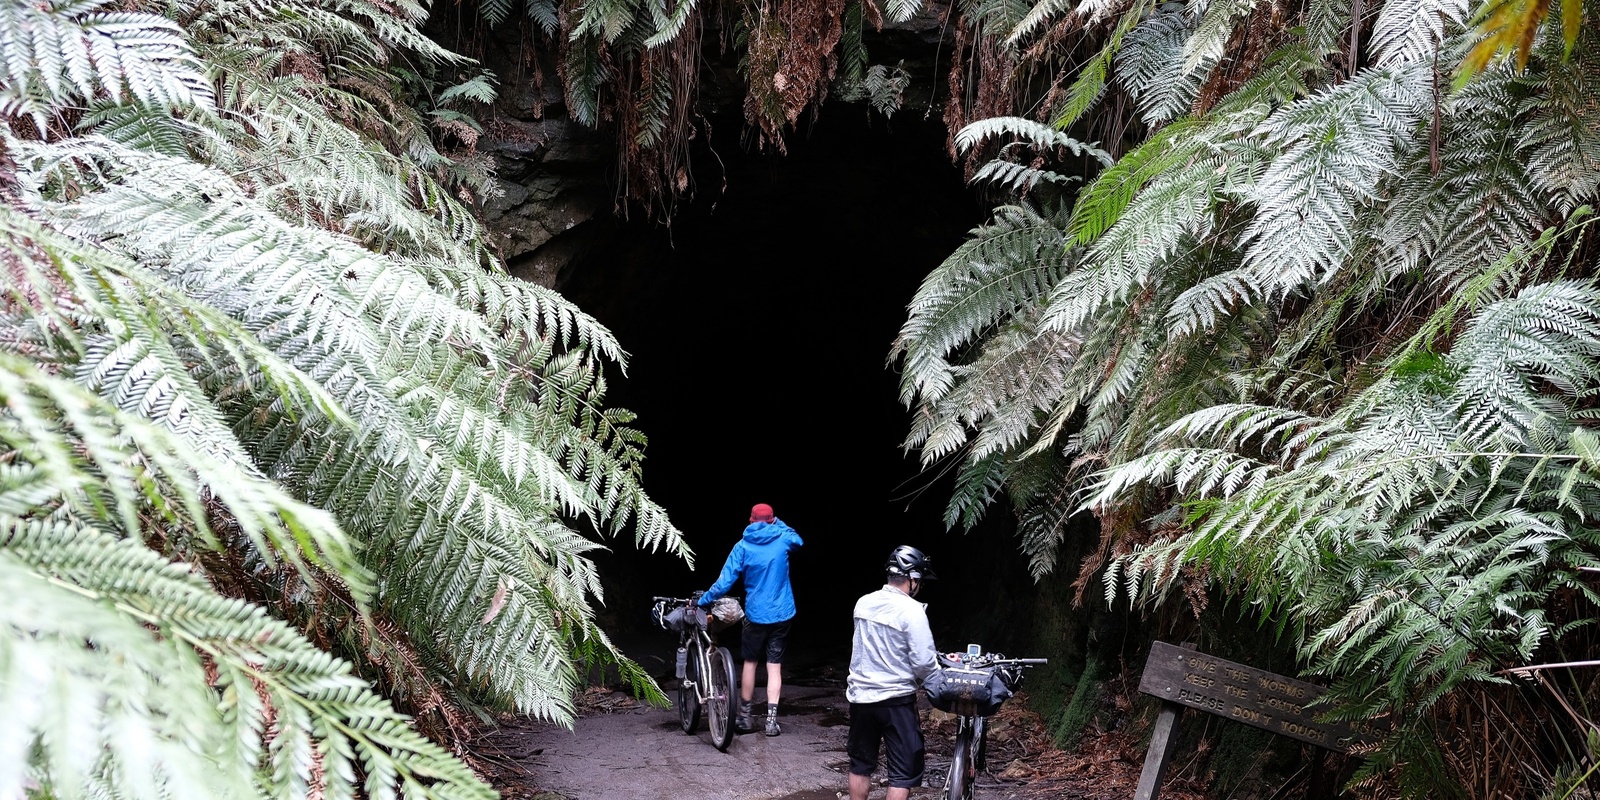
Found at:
[758, 328]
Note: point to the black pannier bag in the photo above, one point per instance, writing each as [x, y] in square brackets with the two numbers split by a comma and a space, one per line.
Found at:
[968, 692]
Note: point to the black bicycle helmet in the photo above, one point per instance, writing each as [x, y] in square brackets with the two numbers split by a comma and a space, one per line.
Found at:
[910, 562]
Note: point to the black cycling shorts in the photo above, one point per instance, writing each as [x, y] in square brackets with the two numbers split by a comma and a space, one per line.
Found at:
[764, 641]
[894, 723]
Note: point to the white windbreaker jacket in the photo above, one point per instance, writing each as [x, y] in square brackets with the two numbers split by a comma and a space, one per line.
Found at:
[893, 648]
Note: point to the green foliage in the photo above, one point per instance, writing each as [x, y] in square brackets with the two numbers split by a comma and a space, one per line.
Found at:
[256, 356]
[54, 52]
[881, 86]
[1322, 340]
[1509, 28]
[1092, 80]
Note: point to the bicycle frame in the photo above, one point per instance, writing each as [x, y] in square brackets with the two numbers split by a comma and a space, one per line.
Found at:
[700, 643]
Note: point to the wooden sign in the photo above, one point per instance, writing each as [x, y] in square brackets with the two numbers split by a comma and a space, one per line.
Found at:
[1182, 677]
[1244, 694]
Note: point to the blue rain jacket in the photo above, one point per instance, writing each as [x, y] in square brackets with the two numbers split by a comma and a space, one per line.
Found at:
[762, 558]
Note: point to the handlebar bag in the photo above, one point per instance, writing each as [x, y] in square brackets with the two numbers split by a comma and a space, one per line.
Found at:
[969, 692]
[673, 620]
[683, 619]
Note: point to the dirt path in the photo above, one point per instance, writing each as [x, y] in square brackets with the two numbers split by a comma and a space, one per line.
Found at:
[623, 749]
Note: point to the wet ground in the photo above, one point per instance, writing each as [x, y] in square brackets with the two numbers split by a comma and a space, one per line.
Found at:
[621, 748]
[624, 749]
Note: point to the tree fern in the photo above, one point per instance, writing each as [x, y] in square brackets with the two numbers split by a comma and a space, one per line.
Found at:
[1317, 360]
[219, 301]
[1327, 168]
[1034, 133]
[1215, 20]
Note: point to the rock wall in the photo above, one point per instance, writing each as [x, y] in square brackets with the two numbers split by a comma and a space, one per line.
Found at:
[556, 177]
[552, 176]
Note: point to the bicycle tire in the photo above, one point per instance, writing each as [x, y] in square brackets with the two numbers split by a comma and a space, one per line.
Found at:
[963, 766]
[688, 700]
[981, 736]
[719, 700]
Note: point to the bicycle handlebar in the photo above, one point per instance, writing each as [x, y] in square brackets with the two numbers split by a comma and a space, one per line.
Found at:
[990, 660]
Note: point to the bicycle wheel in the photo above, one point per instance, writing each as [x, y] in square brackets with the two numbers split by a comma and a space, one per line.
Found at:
[719, 699]
[963, 766]
[688, 700]
[981, 736]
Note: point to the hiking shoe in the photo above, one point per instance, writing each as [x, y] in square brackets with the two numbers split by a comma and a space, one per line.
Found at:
[744, 723]
[772, 726]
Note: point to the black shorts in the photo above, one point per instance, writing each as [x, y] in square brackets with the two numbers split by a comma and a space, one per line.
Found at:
[764, 641]
[894, 723]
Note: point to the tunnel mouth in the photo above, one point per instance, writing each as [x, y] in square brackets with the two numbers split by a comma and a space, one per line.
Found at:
[759, 325]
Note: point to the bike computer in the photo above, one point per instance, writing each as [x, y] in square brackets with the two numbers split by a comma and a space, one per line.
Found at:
[974, 650]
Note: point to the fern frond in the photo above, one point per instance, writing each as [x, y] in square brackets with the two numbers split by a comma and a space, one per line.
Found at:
[1152, 67]
[1035, 133]
[1037, 17]
[1018, 178]
[84, 586]
[1091, 82]
[1334, 148]
[1415, 30]
[64, 52]
[1011, 262]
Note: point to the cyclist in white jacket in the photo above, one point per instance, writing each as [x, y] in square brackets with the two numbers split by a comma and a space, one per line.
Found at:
[892, 652]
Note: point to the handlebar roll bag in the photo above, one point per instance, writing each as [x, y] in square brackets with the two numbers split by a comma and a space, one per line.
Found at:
[969, 692]
[674, 619]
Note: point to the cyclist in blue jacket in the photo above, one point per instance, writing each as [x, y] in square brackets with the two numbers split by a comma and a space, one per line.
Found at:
[761, 558]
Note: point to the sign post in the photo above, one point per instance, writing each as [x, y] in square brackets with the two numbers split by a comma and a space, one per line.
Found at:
[1183, 678]
[1162, 740]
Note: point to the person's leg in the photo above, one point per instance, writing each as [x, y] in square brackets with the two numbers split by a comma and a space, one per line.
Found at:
[774, 683]
[777, 642]
[903, 749]
[774, 686]
[747, 683]
[862, 747]
[859, 784]
[895, 793]
[752, 644]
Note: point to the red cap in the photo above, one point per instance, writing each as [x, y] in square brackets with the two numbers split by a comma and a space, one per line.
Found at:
[761, 512]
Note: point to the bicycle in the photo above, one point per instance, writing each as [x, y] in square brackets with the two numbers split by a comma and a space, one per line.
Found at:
[973, 685]
[704, 670]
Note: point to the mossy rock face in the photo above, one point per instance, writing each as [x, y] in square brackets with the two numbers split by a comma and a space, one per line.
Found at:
[1079, 711]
